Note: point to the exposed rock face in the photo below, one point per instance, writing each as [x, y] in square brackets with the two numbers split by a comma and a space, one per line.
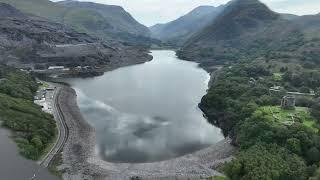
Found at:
[103, 21]
[247, 29]
[32, 40]
[178, 31]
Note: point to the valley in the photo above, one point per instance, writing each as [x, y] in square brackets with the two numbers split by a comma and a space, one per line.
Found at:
[232, 92]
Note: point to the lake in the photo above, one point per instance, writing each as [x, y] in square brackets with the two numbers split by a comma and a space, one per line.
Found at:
[15, 167]
[147, 112]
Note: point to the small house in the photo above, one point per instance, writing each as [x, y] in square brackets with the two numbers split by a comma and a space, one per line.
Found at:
[56, 68]
[275, 88]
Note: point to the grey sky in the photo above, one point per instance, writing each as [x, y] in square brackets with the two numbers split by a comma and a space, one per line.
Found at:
[150, 12]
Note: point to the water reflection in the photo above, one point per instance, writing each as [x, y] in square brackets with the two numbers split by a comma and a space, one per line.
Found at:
[15, 167]
[147, 112]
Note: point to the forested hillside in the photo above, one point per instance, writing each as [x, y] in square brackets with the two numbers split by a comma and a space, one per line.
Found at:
[265, 59]
[33, 130]
[248, 29]
[274, 143]
[266, 56]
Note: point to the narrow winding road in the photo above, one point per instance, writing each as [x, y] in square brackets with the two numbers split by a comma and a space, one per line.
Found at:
[62, 131]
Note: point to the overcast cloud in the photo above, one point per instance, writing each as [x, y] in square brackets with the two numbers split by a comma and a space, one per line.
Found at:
[150, 12]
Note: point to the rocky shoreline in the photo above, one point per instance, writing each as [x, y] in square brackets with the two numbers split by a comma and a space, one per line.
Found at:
[81, 162]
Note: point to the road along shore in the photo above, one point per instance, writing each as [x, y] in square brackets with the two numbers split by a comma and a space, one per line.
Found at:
[62, 130]
[81, 162]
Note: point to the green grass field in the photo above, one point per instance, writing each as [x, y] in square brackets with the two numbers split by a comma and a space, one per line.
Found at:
[277, 76]
[44, 85]
[288, 117]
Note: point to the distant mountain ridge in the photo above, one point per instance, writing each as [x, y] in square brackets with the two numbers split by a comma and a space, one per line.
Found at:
[178, 31]
[310, 25]
[239, 18]
[289, 16]
[116, 15]
[111, 21]
[29, 41]
[104, 21]
[249, 29]
[8, 11]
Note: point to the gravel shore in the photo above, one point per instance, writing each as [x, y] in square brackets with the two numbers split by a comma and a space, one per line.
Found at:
[81, 162]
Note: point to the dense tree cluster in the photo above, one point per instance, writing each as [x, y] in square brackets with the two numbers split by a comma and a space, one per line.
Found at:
[263, 162]
[237, 94]
[268, 150]
[33, 129]
[16, 83]
[303, 79]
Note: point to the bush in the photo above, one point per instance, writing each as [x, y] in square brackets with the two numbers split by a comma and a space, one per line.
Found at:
[16, 83]
[266, 162]
[315, 111]
[304, 102]
[35, 128]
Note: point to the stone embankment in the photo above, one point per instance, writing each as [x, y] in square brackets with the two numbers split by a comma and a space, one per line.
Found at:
[81, 162]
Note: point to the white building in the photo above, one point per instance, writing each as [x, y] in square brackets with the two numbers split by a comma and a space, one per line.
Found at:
[56, 68]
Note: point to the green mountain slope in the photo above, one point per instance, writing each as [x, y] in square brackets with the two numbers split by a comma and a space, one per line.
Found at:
[179, 30]
[249, 29]
[42, 8]
[239, 18]
[33, 129]
[103, 21]
[116, 16]
[310, 25]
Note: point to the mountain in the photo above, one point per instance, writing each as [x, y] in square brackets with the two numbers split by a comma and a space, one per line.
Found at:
[115, 15]
[247, 29]
[240, 18]
[42, 8]
[9, 11]
[289, 16]
[30, 41]
[177, 31]
[309, 24]
[104, 21]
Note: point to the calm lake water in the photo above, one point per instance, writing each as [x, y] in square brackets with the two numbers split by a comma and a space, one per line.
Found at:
[147, 112]
[15, 167]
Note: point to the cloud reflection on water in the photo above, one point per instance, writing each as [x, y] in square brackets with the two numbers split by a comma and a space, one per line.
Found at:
[147, 112]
